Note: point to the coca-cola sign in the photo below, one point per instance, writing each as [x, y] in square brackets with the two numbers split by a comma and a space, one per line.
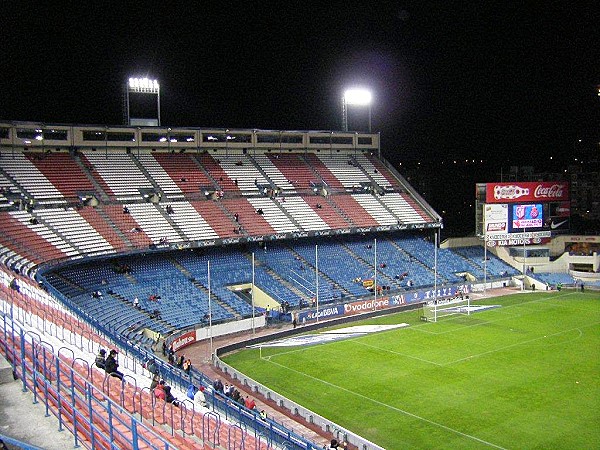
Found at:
[527, 192]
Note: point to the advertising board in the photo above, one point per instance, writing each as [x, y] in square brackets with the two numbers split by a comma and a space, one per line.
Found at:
[524, 192]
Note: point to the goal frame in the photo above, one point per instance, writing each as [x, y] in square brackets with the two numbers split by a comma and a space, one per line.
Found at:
[434, 310]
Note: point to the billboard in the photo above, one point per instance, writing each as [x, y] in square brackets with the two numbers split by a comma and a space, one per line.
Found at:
[495, 217]
[526, 192]
[527, 216]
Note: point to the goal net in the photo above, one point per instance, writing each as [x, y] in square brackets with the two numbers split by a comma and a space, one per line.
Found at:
[435, 310]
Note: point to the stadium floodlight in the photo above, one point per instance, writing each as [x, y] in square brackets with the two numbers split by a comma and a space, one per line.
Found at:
[141, 85]
[355, 97]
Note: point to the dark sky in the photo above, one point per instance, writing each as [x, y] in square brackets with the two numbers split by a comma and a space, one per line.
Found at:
[476, 79]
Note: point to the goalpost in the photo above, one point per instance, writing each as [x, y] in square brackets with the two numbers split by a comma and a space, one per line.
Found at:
[435, 310]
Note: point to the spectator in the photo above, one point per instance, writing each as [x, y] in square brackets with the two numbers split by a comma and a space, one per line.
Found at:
[101, 359]
[169, 397]
[263, 414]
[159, 390]
[200, 397]
[180, 361]
[250, 403]
[187, 366]
[152, 367]
[236, 396]
[125, 209]
[155, 381]
[191, 391]
[112, 366]
[136, 303]
[218, 386]
[14, 285]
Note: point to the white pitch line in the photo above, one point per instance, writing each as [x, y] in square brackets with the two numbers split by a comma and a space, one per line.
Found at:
[504, 309]
[400, 354]
[516, 344]
[415, 416]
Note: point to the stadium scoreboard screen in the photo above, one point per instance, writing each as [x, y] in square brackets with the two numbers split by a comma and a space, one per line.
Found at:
[517, 213]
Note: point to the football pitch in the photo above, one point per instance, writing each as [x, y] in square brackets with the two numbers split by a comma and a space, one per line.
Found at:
[525, 375]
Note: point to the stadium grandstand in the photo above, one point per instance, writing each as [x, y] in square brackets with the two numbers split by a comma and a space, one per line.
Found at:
[145, 238]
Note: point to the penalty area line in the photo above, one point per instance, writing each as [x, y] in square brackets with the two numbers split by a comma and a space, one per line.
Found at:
[393, 408]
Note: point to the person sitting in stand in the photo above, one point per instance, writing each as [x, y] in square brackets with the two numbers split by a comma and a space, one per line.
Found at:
[187, 366]
[218, 386]
[169, 397]
[154, 383]
[249, 402]
[100, 361]
[200, 397]
[112, 366]
[159, 390]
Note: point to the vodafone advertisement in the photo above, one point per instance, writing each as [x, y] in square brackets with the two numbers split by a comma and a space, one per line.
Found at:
[522, 192]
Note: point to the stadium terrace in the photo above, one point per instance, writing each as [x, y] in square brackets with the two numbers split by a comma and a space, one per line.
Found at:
[142, 238]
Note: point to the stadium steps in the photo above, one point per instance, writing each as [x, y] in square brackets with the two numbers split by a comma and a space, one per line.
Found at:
[388, 280]
[128, 304]
[88, 173]
[198, 162]
[261, 171]
[340, 211]
[330, 280]
[76, 288]
[322, 172]
[114, 227]
[216, 298]
[58, 233]
[210, 166]
[200, 286]
[15, 183]
[152, 181]
[312, 168]
[360, 167]
[277, 277]
[416, 260]
[11, 245]
[375, 183]
[174, 225]
[287, 214]
[230, 216]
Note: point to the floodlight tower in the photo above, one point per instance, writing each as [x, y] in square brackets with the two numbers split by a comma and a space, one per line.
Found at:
[142, 86]
[356, 97]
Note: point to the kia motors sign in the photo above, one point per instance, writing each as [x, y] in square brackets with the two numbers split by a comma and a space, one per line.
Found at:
[520, 192]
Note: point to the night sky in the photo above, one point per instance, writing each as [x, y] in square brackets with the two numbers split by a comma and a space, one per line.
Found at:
[499, 82]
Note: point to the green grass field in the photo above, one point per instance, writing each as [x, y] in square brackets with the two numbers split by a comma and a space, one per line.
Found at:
[522, 376]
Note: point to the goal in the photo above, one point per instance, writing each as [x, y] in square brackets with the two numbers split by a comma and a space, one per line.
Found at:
[435, 310]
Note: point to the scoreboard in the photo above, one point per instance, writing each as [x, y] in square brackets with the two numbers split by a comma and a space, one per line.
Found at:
[520, 213]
